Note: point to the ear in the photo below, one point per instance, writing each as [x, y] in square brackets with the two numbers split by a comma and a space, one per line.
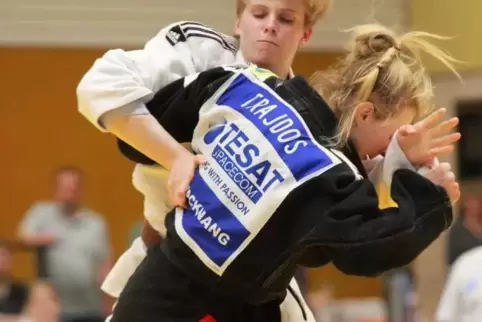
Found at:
[306, 36]
[237, 27]
[364, 112]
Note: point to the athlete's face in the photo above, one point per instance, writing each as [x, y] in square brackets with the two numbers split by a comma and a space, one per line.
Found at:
[271, 31]
[371, 135]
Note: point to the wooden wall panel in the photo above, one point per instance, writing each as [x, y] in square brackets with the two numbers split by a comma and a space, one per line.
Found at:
[108, 23]
[40, 129]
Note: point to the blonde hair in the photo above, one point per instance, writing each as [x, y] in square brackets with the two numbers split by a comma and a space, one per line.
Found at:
[382, 68]
[314, 11]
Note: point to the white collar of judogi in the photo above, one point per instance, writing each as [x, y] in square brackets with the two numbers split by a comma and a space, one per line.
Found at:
[240, 60]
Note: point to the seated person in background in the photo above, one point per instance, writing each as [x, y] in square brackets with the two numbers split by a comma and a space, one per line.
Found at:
[466, 233]
[43, 304]
[13, 294]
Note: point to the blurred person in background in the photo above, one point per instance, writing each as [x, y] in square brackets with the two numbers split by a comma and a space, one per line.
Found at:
[399, 295]
[461, 300]
[466, 232]
[13, 294]
[78, 253]
[43, 304]
[319, 299]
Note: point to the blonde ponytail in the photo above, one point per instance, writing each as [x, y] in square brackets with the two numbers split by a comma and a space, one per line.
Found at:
[382, 68]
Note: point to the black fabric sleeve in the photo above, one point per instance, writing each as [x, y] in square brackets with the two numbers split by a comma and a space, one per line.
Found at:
[358, 236]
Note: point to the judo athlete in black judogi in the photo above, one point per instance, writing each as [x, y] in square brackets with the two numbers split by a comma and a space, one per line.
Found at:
[273, 194]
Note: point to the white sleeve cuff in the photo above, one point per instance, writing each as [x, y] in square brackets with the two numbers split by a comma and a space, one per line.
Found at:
[395, 159]
[135, 108]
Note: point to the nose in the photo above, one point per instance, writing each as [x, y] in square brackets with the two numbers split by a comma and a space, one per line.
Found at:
[271, 26]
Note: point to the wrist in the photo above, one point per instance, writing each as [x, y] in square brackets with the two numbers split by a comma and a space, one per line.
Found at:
[178, 152]
[396, 152]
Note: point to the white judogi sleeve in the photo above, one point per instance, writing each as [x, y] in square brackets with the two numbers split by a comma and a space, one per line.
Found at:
[124, 267]
[121, 78]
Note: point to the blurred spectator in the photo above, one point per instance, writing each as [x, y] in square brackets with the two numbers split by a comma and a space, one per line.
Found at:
[319, 300]
[399, 294]
[43, 304]
[462, 296]
[77, 253]
[466, 232]
[13, 294]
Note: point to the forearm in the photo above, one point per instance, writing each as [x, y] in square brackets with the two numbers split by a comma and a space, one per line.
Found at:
[145, 134]
[36, 239]
[363, 237]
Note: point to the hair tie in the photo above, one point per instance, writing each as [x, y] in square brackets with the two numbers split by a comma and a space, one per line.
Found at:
[388, 56]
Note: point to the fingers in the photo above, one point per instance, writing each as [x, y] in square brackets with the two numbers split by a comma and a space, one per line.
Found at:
[442, 175]
[171, 193]
[452, 187]
[455, 192]
[436, 152]
[443, 171]
[445, 166]
[445, 127]
[438, 173]
[446, 140]
[431, 120]
[180, 178]
[177, 185]
[176, 191]
[181, 200]
[199, 159]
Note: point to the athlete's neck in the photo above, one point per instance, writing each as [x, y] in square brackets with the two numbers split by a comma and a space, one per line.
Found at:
[282, 73]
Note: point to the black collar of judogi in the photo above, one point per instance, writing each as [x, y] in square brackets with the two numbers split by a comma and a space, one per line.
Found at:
[317, 114]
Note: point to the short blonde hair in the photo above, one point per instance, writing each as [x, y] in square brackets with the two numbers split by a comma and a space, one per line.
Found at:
[315, 10]
[382, 68]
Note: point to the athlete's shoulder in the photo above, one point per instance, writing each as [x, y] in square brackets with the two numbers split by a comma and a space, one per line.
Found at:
[184, 31]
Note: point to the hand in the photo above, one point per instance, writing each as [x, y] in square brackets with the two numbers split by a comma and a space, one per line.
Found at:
[442, 175]
[370, 164]
[182, 172]
[428, 138]
[41, 239]
[48, 239]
